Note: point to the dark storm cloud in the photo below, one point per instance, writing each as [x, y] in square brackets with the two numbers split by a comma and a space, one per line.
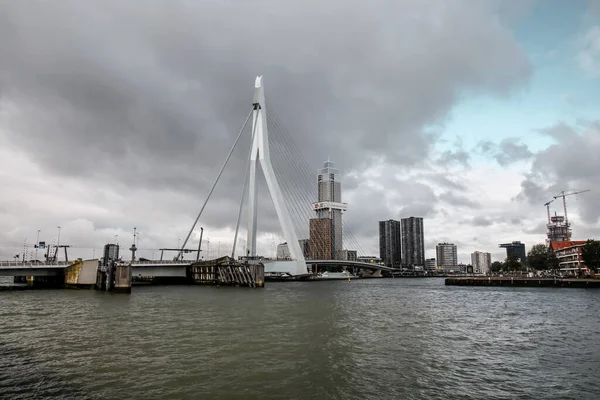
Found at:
[569, 164]
[150, 98]
[172, 83]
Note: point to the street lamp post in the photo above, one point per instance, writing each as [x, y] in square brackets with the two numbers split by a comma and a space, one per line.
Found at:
[57, 245]
[37, 243]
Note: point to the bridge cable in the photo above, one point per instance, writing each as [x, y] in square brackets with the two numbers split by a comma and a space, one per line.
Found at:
[301, 165]
[346, 231]
[214, 185]
[245, 186]
[291, 159]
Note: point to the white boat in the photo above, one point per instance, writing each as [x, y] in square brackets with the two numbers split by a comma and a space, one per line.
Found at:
[336, 275]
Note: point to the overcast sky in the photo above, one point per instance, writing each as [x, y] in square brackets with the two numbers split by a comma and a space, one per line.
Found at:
[471, 114]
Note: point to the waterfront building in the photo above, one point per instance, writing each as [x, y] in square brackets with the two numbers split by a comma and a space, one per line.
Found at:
[430, 264]
[447, 257]
[515, 248]
[413, 243]
[390, 239]
[481, 262]
[283, 252]
[326, 237]
[568, 253]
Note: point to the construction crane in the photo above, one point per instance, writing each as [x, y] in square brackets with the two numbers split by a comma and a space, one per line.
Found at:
[547, 205]
[564, 194]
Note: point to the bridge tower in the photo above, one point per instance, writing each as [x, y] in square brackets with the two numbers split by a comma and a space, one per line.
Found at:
[259, 153]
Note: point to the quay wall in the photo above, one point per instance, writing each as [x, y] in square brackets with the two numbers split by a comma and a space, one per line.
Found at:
[523, 282]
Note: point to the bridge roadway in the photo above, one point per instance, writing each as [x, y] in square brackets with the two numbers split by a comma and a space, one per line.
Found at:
[148, 268]
[20, 268]
[178, 268]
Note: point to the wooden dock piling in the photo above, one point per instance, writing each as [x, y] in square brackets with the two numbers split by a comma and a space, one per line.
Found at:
[227, 272]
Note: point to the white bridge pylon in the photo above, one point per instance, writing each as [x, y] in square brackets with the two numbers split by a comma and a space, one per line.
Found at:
[259, 152]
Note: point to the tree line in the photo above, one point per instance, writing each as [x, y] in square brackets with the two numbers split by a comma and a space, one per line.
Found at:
[542, 258]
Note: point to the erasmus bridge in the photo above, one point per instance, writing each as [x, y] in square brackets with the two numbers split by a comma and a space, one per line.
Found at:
[291, 186]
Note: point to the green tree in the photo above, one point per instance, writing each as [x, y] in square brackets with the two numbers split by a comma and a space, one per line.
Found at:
[512, 263]
[551, 261]
[590, 252]
[537, 258]
[496, 267]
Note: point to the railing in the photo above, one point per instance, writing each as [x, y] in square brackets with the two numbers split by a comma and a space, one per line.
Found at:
[33, 264]
[159, 262]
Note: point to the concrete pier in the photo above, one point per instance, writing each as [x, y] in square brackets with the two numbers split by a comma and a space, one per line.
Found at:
[114, 278]
[81, 274]
[523, 282]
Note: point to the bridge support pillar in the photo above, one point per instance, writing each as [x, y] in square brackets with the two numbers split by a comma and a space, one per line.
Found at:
[123, 278]
[114, 278]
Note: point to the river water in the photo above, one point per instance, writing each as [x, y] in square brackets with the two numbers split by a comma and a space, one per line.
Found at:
[365, 339]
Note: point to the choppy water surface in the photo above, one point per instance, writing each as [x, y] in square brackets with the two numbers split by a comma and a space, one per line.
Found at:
[369, 339]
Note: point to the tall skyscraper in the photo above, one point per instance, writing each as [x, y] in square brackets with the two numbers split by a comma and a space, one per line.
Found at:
[390, 243]
[447, 257]
[329, 206]
[481, 262]
[413, 246]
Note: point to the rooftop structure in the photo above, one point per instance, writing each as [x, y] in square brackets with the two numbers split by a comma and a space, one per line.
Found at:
[515, 248]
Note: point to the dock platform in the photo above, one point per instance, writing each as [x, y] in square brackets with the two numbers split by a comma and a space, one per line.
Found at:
[523, 282]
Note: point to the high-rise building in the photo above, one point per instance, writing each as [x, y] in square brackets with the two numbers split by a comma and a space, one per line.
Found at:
[328, 207]
[515, 248]
[320, 243]
[390, 239]
[413, 244]
[447, 257]
[304, 243]
[481, 262]
[283, 251]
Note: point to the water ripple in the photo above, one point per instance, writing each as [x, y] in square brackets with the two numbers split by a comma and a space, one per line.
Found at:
[369, 339]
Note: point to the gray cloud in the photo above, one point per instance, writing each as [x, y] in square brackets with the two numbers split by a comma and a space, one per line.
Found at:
[460, 157]
[119, 100]
[570, 164]
[458, 200]
[481, 221]
[508, 151]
